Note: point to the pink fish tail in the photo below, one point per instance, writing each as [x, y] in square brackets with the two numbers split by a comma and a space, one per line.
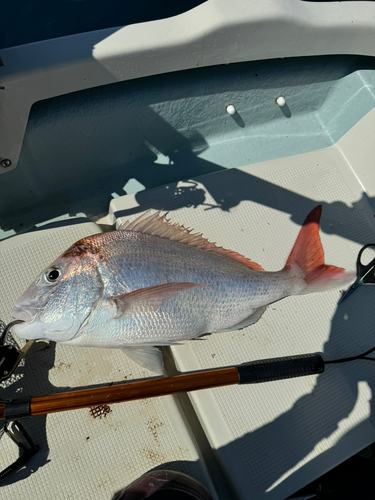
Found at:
[307, 257]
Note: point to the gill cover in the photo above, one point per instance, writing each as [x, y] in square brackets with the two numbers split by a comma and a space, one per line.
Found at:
[60, 301]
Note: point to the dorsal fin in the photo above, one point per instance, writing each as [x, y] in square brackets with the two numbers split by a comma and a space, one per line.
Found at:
[157, 225]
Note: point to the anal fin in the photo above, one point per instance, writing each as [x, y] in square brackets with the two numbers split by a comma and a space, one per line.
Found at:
[250, 320]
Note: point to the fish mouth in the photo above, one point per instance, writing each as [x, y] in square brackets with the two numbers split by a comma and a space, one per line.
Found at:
[23, 314]
[30, 328]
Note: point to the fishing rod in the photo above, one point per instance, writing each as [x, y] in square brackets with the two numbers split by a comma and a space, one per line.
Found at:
[254, 372]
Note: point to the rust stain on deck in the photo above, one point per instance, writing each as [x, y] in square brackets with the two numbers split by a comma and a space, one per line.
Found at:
[153, 425]
[100, 411]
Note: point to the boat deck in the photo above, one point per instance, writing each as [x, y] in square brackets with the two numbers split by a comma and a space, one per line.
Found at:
[260, 441]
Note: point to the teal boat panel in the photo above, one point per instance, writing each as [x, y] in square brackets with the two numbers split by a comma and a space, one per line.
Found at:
[82, 149]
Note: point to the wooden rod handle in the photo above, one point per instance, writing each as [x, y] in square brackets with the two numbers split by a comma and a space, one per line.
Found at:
[131, 391]
[255, 372]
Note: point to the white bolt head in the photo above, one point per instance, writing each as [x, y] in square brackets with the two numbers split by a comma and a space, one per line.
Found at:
[231, 110]
[280, 101]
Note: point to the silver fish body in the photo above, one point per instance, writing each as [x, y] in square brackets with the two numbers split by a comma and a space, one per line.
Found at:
[129, 288]
[230, 293]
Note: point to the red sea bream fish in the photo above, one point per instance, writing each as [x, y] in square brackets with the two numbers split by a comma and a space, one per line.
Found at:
[152, 283]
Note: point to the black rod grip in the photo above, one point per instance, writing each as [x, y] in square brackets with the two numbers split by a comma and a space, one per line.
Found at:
[266, 370]
[17, 409]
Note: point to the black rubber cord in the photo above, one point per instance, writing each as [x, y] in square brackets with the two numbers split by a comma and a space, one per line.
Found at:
[352, 358]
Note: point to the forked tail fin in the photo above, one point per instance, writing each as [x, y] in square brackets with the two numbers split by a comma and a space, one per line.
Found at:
[308, 256]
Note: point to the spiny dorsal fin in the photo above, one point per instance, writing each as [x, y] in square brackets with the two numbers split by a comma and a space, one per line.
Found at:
[157, 225]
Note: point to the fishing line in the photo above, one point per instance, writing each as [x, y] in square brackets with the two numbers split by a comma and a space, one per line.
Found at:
[7, 328]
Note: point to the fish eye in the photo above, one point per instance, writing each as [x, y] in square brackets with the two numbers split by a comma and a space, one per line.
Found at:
[52, 275]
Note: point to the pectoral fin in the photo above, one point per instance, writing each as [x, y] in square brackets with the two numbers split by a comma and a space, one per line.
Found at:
[150, 298]
[148, 357]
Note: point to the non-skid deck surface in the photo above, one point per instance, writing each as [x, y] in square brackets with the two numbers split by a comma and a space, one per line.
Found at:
[89, 453]
[272, 439]
[269, 439]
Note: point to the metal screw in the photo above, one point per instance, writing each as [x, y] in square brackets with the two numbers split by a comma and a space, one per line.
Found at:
[6, 163]
[10, 347]
[5, 372]
[231, 110]
[280, 101]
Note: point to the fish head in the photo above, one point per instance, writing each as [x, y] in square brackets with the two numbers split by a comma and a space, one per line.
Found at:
[62, 298]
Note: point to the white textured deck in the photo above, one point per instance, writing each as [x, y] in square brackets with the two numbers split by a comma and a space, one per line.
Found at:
[274, 438]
